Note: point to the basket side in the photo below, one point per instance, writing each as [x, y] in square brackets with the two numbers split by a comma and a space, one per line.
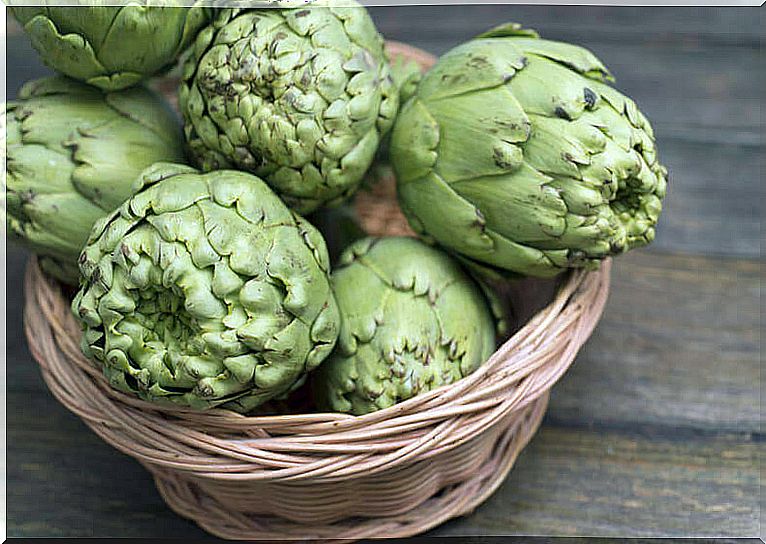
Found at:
[313, 447]
[425, 494]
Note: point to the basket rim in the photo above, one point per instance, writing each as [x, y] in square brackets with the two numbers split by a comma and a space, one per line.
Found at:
[543, 349]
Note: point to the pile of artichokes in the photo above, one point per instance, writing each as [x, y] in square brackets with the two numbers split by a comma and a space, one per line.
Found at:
[200, 282]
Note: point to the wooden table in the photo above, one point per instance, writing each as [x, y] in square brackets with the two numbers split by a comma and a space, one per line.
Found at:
[656, 429]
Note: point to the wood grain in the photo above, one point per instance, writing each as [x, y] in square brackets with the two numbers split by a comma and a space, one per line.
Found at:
[572, 482]
[64, 481]
[678, 348]
[734, 27]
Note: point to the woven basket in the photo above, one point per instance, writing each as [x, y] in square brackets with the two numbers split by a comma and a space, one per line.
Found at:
[393, 473]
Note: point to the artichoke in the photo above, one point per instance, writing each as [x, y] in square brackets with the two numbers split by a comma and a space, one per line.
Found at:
[516, 155]
[111, 47]
[73, 153]
[412, 321]
[406, 73]
[298, 96]
[205, 290]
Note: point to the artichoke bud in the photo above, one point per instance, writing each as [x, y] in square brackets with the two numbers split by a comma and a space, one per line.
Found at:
[111, 47]
[407, 75]
[515, 155]
[73, 154]
[412, 321]
[298, 96]
[205, 290]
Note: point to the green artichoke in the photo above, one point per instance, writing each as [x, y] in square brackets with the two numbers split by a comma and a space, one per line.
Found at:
[205, 290]
[517, 156]
[73, 154]
[406, 74]
[111, 47]
[412, 321]
[298, 96]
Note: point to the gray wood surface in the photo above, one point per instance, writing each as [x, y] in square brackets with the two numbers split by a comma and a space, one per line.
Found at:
[656, 429]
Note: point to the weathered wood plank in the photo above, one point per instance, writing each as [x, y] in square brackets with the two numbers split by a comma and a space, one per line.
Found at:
[714, 204]
[728, 122]
[22, 372]
[583, 482]
[64, 481]
[23, 64]
[720, 26]
[678, 347]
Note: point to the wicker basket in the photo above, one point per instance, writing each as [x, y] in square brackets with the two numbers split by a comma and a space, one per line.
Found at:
[393, 473]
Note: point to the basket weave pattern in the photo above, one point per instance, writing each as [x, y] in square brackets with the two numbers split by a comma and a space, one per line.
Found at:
[392, 473]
